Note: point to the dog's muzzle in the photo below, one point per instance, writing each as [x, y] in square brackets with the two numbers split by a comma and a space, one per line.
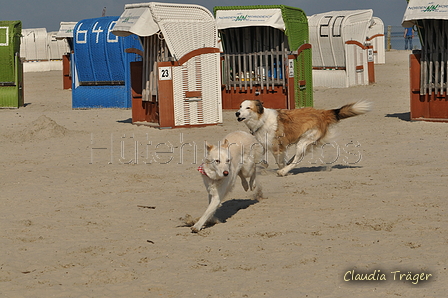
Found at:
[225, 173]
[237, 114]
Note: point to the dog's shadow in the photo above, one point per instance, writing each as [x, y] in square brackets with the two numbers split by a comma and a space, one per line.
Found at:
[222, 214]
[230, 208]
[302, 170]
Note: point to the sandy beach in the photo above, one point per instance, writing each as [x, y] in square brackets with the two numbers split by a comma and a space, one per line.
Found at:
[93, 206]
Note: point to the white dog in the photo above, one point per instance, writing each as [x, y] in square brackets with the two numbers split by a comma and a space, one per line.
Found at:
[278, 129]
[238, 155]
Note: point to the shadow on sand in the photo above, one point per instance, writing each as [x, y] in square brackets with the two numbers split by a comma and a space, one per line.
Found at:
[129, 120]
[230, 208]
[406, 116]
[226, 211]
[302, 170]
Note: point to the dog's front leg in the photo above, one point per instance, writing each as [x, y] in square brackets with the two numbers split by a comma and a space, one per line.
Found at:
[214, 202]
[279, 158]
[300, 151]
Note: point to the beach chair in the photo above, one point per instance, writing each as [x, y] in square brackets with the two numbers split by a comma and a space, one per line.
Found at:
[11, 71]
[266, 56]
[429, 67]
[100, 65]
[340, 54]
[177, 83]
[66, 33]
[375, 36]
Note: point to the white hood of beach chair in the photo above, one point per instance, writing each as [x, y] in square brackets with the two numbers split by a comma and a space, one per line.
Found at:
[136, 19]
[184, 27]
[250, 17]
[66, 30]
[424, 10]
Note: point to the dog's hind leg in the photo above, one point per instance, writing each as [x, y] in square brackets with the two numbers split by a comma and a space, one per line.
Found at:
[252, 180]
[214, 203]
[244, 181]
[307, 139]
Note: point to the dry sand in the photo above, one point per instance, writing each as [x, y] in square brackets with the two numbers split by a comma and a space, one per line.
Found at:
[72, 182]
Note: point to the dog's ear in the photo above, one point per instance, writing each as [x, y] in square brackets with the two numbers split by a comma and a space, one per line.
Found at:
[208, 146]
[225, 144]
[259, 106]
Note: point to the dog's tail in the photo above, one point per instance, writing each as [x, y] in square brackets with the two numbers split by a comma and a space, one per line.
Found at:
[352, 109]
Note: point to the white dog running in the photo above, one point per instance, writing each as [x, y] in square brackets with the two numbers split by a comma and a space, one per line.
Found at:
[238, 155]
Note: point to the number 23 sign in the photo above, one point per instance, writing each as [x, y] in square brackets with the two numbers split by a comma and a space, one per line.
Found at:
[165, 73]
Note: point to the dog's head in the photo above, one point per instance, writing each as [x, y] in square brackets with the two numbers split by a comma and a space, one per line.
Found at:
[249, 109]
[217, 162]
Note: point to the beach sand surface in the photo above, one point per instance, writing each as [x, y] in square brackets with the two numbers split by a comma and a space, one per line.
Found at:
[93, 206]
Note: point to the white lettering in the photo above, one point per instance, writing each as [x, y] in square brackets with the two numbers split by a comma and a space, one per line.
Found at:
[97, 31]
[109, 33]
[78, 35]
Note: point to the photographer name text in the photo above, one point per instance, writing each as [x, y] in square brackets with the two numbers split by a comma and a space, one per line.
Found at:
[377, 275]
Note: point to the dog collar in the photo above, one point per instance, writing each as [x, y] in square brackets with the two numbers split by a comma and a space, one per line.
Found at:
[252, 132]
[202, 170]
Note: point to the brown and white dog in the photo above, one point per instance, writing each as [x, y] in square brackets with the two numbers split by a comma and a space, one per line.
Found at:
[278, 129]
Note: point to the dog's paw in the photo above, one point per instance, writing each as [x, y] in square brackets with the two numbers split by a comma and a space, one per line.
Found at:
[195, 229]
[258, 194]
[282, 173]
[264, 164]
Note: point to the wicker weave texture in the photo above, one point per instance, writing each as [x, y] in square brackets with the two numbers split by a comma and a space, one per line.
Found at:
[185, 27]
[375, 35]
[92, 97]
[34, 45]
[201, 74]
[99, 60]
[331, 30]
[296, 24]
[334, 78]
[98, 57]
[11, 71]
[10, 32]
[295, 20]
[356, 57]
